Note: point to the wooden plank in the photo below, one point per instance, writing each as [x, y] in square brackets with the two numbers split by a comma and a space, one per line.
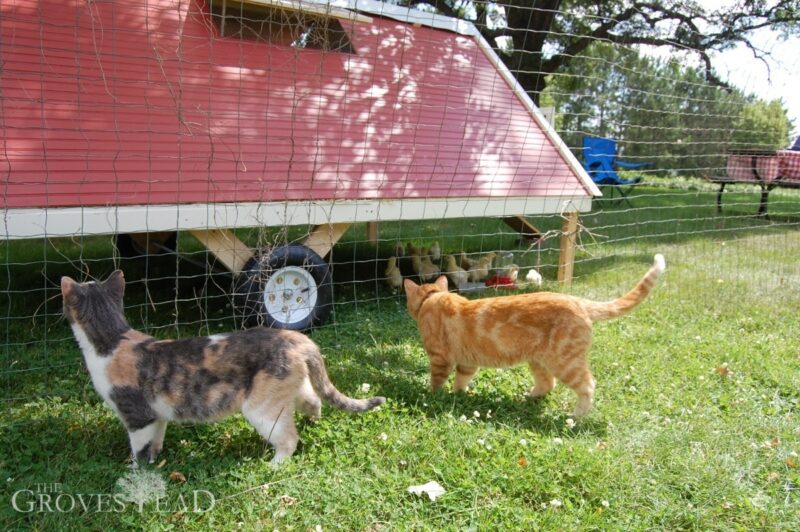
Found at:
[521, 225]
[569, 239]
[372, 233]
[225, 246]
[309, 8]
[323, 237]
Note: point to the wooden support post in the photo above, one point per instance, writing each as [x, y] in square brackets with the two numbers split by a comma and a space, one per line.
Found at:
[225, 246]
[323, 237]
[372, 233]
[569, 239]
[526, 230]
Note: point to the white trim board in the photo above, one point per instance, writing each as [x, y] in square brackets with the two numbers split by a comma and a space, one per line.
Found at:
[405, 14]
[324, 9]
[73, 221]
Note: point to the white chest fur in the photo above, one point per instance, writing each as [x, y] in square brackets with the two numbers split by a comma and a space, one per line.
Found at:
[95, 363]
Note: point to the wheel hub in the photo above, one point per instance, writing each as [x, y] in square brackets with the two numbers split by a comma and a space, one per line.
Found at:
[290, 294]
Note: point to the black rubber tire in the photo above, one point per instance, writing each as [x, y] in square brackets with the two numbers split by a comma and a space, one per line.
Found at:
[251, 282]
[128, 248]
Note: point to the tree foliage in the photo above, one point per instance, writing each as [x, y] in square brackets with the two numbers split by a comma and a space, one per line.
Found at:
[660, 110]
[547, 34]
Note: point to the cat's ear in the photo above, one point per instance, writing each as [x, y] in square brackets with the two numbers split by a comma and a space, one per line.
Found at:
[115, 284]
[67, 286]
[409, 285]
[441, 283]
[71, 291]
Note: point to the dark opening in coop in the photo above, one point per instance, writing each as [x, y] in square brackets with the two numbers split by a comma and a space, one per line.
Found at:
[281, 26]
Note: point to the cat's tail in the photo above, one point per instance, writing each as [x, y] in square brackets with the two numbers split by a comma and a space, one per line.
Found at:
[623, 305]
[326, 390]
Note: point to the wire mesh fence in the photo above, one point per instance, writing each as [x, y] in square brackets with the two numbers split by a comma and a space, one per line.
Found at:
[189, 143]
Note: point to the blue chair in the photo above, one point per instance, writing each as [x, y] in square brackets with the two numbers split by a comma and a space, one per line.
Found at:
[601, 163]
[796, 145]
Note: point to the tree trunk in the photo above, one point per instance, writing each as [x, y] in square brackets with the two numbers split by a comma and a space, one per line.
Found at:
[529, 24]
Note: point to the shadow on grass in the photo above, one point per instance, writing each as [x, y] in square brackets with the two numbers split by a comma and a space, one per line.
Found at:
[407, 383]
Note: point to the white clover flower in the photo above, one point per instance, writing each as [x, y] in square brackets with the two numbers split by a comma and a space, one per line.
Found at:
[384, 437]
[604, 503]
[365, 387]
[523, 442]
[476, 414]
[555, 503]
[481, 441]
[570, 422]
[558, 441]
[462, 418]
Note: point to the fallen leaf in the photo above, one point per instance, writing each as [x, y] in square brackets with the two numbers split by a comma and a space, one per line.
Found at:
[432, 489]
[601, 445]
[773, 476]
[522, 462]
[791, 462]
[288, 501]
[724, 370]
[177, 476]
[161, 464]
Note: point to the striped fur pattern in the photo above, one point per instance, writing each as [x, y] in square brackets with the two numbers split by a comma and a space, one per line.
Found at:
[264, 373]
[550, 332]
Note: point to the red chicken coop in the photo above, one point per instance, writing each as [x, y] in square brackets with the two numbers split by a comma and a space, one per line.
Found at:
[156, 116]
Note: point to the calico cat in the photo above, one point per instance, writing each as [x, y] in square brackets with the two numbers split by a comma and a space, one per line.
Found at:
[548, 331]
[264, 373]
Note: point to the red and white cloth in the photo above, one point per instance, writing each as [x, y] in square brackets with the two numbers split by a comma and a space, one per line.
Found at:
[782, 164]
[790, 164]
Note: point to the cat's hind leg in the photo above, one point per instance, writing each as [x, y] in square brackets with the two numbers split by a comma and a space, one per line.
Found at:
[464, 375]
[577, 375]
[308, 402]
[543, 380]
[275, 423]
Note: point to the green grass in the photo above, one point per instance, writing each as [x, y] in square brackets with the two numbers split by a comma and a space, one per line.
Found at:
[671, 444]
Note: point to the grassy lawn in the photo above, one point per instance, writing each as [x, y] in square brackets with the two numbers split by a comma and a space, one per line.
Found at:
[696, 421]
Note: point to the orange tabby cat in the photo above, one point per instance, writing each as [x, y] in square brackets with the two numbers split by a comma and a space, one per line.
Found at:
[551, 332]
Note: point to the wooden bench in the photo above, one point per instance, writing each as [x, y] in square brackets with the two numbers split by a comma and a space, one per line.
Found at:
[765, 168]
